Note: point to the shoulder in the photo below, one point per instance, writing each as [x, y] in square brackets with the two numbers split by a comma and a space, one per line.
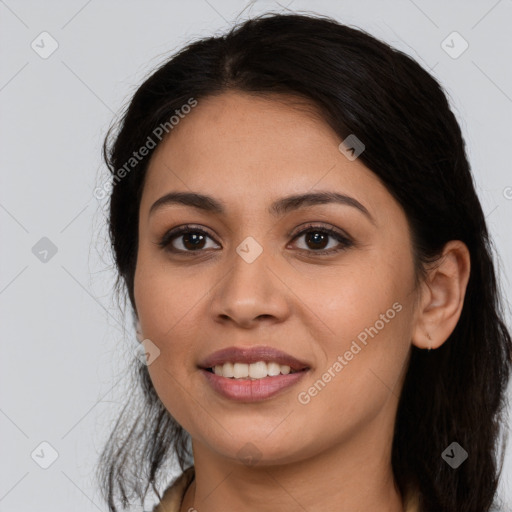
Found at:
[173, 495]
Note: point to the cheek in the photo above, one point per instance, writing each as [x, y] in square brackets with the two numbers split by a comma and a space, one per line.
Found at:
[368, 311]
[361, 372]
[163, 317]
[164, 298]
[359, 300]
[167, 304]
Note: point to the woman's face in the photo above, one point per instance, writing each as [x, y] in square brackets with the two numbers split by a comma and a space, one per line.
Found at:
[255, 276]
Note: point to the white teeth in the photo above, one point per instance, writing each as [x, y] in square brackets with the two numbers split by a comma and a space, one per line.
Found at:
[227, 370]
[285, 369]
[258, 370]
[273, 369]
[240, 370]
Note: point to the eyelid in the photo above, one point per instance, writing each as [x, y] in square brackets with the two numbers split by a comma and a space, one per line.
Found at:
[344, 240]
[299, 230]
[172, 233]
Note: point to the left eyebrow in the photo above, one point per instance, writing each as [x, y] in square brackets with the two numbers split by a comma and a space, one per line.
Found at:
[289, 203]
[277, 208]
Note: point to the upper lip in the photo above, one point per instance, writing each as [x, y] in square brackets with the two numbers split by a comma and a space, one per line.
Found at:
[252, 355]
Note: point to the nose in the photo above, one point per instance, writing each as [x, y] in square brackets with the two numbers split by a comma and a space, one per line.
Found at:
[251, 292]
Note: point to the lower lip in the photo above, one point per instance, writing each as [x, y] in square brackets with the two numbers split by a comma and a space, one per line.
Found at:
[247, 390]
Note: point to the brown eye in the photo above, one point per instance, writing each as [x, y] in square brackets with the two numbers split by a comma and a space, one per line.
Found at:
[190, 239]
[317, 239]
[193, 241]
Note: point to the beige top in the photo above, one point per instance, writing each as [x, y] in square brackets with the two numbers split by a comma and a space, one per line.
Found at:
[173, 496]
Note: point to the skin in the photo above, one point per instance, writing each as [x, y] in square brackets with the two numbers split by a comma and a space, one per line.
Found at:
[333, 453]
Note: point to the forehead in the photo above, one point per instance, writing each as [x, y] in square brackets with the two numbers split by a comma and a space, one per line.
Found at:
[249, 129]
[243, 147]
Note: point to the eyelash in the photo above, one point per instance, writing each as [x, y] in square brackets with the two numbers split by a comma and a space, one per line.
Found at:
[165, 242]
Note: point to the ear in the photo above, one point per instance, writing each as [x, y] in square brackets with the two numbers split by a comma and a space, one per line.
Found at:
[442, 296]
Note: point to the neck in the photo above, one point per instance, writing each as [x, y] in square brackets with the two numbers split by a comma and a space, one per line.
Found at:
[345, 477]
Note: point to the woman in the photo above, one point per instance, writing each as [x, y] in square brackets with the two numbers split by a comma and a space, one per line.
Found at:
[294, 219]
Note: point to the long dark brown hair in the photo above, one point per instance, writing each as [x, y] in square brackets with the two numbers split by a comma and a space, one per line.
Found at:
[361, 85]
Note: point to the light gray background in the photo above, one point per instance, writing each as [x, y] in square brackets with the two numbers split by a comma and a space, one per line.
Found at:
[66, 346]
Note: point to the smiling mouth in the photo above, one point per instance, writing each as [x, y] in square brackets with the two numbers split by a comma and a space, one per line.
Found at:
[252, 382]
[252, 371]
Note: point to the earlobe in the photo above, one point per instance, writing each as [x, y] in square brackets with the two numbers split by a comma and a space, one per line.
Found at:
[140, 336]
[442, 299]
